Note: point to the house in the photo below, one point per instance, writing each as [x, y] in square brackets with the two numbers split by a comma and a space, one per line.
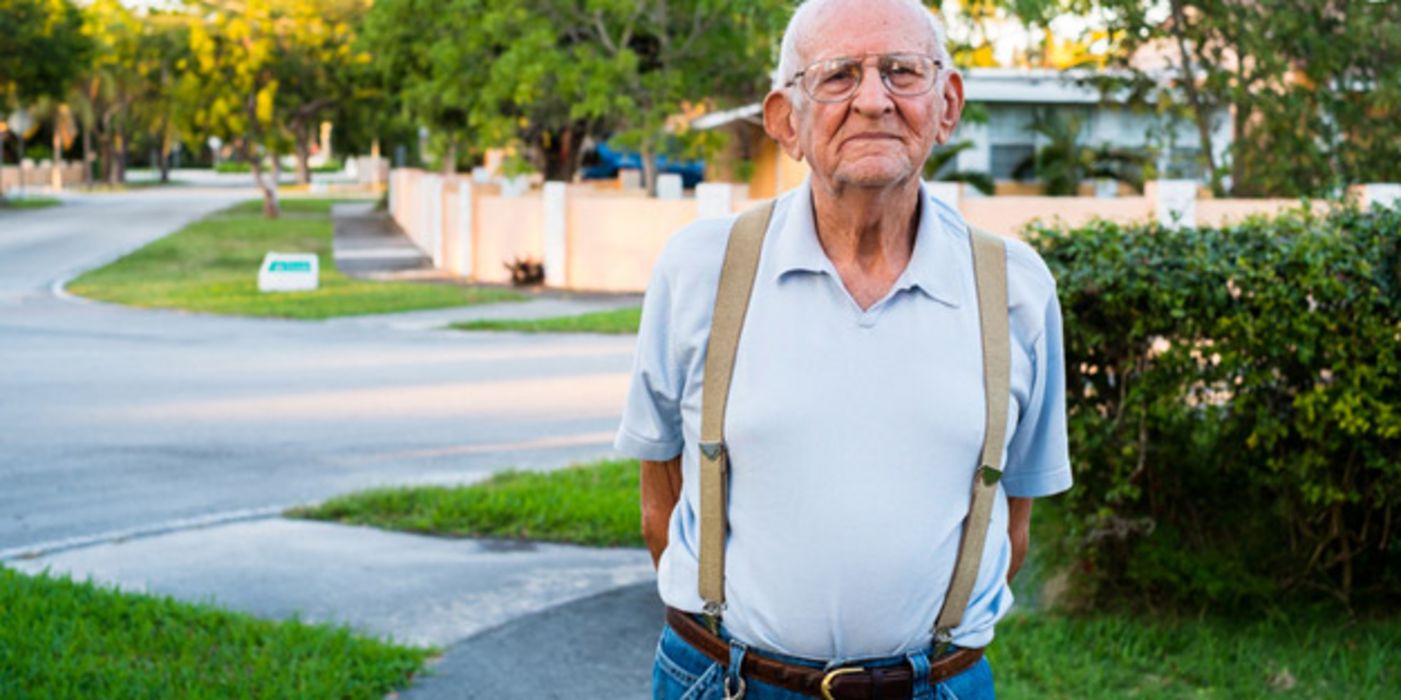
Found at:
[1011, 99]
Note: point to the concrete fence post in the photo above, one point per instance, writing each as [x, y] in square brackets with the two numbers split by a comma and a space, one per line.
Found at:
[433, 218]
[1385, 194]
[556, 235]
[946, 192]
[714, 200]
[465, 228]
[1174, 202]
[670, 186]
[391, 193]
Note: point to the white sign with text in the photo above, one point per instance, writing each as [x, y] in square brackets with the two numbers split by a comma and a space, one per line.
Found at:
[289, 272]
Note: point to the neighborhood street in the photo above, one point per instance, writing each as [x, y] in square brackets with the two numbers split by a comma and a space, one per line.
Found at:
[128, 436]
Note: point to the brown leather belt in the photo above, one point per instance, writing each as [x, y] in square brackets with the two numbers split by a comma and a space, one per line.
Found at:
[847, 683]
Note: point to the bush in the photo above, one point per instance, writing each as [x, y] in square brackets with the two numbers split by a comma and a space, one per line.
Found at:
[1234, 407]
[233, 166]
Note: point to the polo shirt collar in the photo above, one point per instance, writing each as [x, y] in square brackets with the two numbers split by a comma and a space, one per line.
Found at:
[936, 265]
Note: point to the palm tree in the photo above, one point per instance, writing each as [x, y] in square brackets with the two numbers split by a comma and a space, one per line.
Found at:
[943, 156]
[1064, 162]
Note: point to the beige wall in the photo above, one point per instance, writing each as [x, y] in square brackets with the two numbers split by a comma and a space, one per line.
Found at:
[40, 175]
[612, 238]
[1007, 215]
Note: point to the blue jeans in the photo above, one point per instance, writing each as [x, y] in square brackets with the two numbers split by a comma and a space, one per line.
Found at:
[682, 672]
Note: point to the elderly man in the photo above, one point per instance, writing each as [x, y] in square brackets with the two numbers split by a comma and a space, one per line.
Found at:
[845, 400]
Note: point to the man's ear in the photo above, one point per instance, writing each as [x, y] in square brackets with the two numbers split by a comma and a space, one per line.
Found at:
[952, 96]
[781, 123]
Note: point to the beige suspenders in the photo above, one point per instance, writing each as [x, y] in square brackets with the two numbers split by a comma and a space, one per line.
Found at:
[731, 303]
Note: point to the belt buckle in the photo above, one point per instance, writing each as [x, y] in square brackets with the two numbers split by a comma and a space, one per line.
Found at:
[832, 675]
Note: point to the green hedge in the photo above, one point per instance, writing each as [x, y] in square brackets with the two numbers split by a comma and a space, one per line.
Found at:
[1235, 407]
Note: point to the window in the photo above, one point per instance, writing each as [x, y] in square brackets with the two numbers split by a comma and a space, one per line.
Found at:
[1007, 156]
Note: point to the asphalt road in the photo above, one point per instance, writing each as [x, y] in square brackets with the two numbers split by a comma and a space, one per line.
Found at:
[116, 420]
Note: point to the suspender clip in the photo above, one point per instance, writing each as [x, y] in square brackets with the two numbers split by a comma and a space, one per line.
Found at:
[711, 614]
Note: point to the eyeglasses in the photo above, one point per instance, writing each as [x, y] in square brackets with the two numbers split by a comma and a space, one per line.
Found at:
[837, 79]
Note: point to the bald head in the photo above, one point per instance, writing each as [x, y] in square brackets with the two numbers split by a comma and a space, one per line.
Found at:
[802, 31]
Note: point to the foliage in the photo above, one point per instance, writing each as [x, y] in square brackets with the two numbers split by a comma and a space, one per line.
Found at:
[212, 266]
[1234, 400]
[1303, 654]
[1063, 162]
[593, 504]
[942, 163]
[65, 639]
[619, 321]
[264, 70]
[548, 75]
[1312, 89]
[43, 50]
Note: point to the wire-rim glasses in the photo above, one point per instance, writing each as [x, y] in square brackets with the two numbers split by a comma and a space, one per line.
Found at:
[837, 79]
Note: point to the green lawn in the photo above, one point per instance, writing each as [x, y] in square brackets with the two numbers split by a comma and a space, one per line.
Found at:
[62, 639]
[1105, 655]
[29, 203]
[594, 504]
[212, 265]
[1037, 654]
[616, 321]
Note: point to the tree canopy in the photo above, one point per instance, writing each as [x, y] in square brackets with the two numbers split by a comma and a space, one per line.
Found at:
[543, 75]
[42, 50]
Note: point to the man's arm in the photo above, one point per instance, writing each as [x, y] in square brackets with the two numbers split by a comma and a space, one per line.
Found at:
[1018, 529]
[661, 489]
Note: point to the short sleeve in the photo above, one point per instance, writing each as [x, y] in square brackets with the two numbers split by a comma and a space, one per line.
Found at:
[651, 426]
[1038, 459]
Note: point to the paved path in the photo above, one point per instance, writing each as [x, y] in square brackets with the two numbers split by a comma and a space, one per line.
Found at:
[153, 449]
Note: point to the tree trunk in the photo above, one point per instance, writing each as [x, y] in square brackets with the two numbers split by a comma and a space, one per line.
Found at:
[1200, 112]
[649, 169]
[450, 158]
[116, 170]
[561, 154]
[303, 155]
[271, 209]
[163, 158]
[87, 156]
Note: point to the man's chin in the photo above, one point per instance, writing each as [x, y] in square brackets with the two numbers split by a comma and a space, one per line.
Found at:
[872, 179]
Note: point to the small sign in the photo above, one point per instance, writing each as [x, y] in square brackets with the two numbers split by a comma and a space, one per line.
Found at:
[289, 272]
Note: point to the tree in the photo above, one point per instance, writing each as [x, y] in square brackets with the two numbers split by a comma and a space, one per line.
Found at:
[43, 50]
[42, 53]
[942, 165]
[317, 68]
[544, 75]
[264, 71]
[114, 82]
[1063, 162]
[1312, 89]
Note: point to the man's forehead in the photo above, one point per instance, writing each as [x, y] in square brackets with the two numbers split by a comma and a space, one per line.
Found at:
[861, 27]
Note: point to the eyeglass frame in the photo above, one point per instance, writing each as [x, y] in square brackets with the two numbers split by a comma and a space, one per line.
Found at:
[795, 80]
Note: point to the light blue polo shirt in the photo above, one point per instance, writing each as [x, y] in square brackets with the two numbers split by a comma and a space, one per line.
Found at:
[853, 435]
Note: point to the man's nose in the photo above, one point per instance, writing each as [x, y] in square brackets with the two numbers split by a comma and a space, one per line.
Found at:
[871, 98]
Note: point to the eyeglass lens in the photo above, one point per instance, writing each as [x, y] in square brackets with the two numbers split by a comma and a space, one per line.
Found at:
[836, 79]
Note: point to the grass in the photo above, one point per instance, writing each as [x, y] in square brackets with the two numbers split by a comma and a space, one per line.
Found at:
[1104, 655]
[594, 505]
[28, 202]
[615, 321]
[1037, 654]
[211, 266]
[64, 639]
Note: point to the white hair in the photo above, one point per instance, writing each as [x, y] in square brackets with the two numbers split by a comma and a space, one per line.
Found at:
[789, 62]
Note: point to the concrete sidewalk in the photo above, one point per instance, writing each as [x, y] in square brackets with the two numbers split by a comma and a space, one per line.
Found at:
[516, 619]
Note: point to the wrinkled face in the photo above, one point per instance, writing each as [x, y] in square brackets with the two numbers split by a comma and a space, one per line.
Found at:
[873, 139]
